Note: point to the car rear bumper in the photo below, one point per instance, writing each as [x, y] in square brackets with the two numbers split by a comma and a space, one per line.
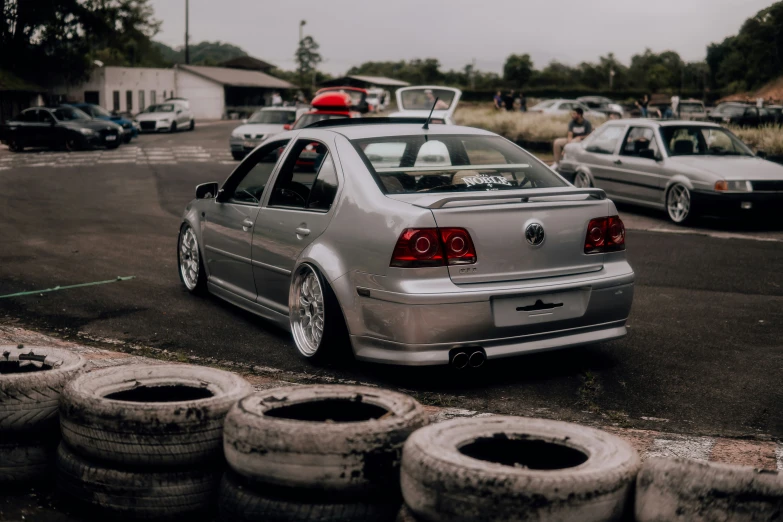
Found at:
[422, 329]
[744, 203]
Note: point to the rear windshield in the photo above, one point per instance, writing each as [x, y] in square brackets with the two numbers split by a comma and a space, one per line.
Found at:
[424, 99]
[691, 107]
[410, 164]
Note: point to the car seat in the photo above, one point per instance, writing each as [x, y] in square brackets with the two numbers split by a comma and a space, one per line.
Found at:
[683, 147]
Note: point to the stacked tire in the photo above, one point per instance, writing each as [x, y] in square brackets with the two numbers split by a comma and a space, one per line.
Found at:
[516, 469]
[316, 453]
[31, 380]
[145, 441]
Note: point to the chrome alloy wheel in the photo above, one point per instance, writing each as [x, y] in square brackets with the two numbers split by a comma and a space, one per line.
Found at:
[307, 311]
[189, 258]
[581, 180]
[678, 203]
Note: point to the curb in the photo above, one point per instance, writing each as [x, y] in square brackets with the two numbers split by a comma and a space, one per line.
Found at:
[760, 454]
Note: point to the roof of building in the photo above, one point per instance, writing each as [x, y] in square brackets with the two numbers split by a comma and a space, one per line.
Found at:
[237, 77]
[362, 81]
[247, 62]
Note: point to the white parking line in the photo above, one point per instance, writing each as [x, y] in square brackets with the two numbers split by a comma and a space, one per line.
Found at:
[697, 448]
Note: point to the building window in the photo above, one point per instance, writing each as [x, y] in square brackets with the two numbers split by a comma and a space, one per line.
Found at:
[141, 100]
[116, 101]
[164, 96]
[129, 101]
[153, 98]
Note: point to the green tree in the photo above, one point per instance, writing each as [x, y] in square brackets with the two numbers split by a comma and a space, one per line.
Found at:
[518, 70]
[307, 58]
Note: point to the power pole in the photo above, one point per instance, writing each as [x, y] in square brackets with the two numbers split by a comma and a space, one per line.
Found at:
[187, 27]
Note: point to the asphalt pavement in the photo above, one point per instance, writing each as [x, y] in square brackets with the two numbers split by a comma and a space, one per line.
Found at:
[704, 354]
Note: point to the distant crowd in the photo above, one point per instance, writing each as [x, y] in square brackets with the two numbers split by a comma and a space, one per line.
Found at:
[510, 101]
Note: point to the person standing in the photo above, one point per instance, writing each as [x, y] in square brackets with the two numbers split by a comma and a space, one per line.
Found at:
[277, 100]
[498, 100]
[522, 102]
[578, 129]
[642, 104]
[676, 106]
[509, 100]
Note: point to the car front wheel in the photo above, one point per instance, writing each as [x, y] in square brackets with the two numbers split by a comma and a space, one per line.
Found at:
[317, 323]
[15, 146]
[191, 267]
[679, 205]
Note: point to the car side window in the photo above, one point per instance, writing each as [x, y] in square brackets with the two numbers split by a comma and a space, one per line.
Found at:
[604, 140]
[29, 116]
[297, 175]
[637, 140]
[45, 117]
[325, 188]
[246, 185]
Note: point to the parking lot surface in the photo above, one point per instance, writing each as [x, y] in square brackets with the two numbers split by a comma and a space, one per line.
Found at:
[703, 355]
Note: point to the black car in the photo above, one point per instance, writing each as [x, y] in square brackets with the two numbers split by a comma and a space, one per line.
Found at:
[63, 127]
[741, 114]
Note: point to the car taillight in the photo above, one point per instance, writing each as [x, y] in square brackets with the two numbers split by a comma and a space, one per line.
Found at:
[423, 247]
[606, 234]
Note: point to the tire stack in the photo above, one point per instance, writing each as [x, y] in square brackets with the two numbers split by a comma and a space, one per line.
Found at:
[145, 441]
[316, 453]
[31, 380]
[516, 469]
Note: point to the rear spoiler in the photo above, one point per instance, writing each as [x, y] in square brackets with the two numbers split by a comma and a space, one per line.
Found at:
[441, 200]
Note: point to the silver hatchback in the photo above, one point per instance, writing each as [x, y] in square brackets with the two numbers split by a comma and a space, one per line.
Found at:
[415, 246]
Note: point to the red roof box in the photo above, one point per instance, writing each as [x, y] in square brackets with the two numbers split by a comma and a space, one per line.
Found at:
[332, 100]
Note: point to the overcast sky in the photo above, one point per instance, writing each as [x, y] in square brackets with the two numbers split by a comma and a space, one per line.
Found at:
[457, 31]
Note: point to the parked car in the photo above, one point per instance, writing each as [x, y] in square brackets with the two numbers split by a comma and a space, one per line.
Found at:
[417, 102]
[563, 108]
[602, 104]
[129, 130]
[691, 110]
[683, 168]
[378, 99]
[62, 127]
[327, 106]
[776, 111]
[406, 264]
[741, 114]
[170, 117]
[261, 125]
[358, 96]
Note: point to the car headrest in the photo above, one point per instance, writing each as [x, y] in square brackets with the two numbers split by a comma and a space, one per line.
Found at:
[640, 145]
[683, 147]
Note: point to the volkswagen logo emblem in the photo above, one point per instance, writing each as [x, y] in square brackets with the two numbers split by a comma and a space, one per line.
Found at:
[534, 233]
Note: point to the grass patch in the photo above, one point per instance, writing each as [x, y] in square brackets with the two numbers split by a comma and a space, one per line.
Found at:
[768, 138]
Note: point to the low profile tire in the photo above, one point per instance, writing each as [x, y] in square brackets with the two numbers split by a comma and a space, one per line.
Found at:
[25, 461]
[15, 146]
[33, 378]
[339, 439]
[192, 125]
[239, 156]
[317, 322]
[240, 502]
[516, 468]
[174, 127]
[135, 495]
[127, 139]
[189, 261]
[71, 143]
[679, 204]
[677, 489]
[114, 145]
[582, 180]
[147, 416]
[406, 515]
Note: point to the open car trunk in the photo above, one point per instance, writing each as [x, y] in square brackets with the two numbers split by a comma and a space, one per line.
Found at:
[497, 223]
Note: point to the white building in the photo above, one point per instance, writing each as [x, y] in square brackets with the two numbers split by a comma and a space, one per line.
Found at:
[213, 92]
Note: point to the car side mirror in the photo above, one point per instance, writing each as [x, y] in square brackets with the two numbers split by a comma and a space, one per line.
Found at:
[287, 126]
[761, 154]
[207, 190]
[648, 154]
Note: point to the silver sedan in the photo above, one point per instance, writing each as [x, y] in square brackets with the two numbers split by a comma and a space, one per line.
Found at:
[683, 167]
[356, 237]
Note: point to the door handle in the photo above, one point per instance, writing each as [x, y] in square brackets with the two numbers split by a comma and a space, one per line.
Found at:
[302, 231]
[247, 225]
[618, 162]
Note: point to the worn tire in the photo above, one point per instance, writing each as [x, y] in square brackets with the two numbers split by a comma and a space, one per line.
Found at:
[442, 483]
[679, 489]
[239, 502]
[28, 400]
[147, 434]
[350, 458]
[136, 495]
[406, 515]
[25, 461]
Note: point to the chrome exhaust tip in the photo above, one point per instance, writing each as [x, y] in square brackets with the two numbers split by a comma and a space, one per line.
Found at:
[477, 359]
[460, 360]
